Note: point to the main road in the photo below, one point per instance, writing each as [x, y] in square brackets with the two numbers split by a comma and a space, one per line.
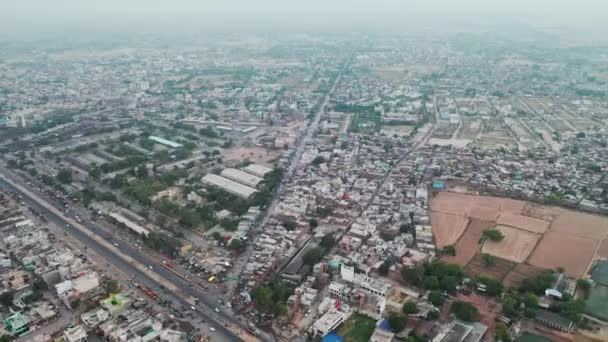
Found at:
[290, 171]
[129, 260]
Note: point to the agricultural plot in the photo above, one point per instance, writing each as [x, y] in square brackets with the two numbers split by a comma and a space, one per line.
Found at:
[530, 224]
[468, 244]
[447, 228]
[516, 245]
[478, 267]
[580, 224]
[556, 249]
[543, 237]
[520, 273]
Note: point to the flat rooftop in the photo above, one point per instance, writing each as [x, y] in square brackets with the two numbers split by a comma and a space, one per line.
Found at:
[229, 186]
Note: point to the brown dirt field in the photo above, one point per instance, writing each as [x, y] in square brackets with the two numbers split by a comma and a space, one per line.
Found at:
[512, 206]
[476, 267]
[543, 212]
[483, 213]
[516, 246]
[468, 244]
[573, 253]
[451, 203]
[447, 228]
[602, 252]
[489, 309]
[581, 224]
[519, 274]
[530, 224]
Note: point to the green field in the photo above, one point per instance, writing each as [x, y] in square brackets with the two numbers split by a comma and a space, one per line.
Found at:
[597, 303]
[358, 328]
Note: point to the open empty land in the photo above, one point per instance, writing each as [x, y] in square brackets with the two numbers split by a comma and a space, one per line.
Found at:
[536, 236]
[447, 228]
[573, 253]
[468, 244]
[580, 224]
[528, 223]
[516, 246]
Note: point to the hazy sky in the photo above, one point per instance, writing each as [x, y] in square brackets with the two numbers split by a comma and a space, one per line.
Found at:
[44, 15]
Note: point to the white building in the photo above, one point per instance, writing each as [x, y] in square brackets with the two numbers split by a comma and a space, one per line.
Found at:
[330, 321]
[242, 177]
[75, 334]
[229, 186]
[373, 285]
[257, 170]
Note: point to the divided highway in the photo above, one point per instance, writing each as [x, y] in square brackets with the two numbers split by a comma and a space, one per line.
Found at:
[129, 260]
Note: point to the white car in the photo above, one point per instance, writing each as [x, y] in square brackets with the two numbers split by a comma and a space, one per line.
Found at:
[216, 310]
[193, 308]
[212, 328]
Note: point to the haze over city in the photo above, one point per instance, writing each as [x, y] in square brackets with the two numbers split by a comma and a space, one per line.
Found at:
[276, 170]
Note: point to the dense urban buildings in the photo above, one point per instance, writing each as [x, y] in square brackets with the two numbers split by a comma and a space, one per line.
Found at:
[305, 187]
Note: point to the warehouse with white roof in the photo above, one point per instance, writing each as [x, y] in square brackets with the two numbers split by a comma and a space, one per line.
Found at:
[229, 186]
[242, 177]
[257, 170]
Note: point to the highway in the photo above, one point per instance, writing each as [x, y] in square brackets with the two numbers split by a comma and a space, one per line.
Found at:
[131, 261]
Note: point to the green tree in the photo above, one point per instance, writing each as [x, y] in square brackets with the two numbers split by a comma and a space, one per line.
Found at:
[584, 286]
[7, 298]
[112, 286]
[409, 308]
[313, 256]
[290, 225]
[328, 241]
[502, 334]
[493, 235]
[313, 223]
[449, 250]
[488, 259]
[64, 176]
[397, 321]
[384, 268]
[318, 161]
[235, 245]
[436, 298]
[465, 311]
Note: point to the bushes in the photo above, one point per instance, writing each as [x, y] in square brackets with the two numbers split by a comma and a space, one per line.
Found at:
[465, 311]
[436, 275]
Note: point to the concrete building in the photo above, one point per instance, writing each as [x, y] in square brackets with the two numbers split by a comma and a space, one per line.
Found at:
[330, 321]
[229, 186]
[137, 229]
[373, 285]
[75, 334]
[165, 142]
[257, 170]
[460, 331]
[241, 177]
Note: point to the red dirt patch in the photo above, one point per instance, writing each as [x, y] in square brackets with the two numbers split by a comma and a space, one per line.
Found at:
[581, 224]
[520, 273]
[528, 223]
[476, 267]
[573, 253]
[468, 244]
[447, 228]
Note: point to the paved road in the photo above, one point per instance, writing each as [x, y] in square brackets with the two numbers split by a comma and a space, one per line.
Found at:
[128, 259]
